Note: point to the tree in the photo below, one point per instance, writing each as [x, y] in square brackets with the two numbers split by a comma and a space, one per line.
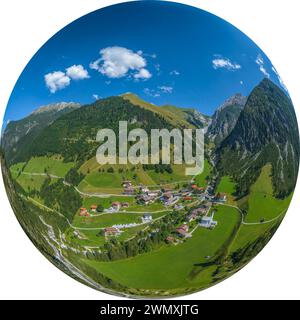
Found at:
[100, 208]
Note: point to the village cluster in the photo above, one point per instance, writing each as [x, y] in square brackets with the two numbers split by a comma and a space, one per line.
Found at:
[194, 201]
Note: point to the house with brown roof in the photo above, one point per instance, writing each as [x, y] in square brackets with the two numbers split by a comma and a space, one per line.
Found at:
[93, 207]
[111, 231]
[83, 212]
[128, 190]
[182, 231]
[124, 204]
[170, 239]
[220, 197]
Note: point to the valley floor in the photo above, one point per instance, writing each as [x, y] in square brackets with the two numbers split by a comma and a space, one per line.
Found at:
[184, 264]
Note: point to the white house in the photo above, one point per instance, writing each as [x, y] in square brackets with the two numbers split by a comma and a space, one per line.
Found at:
[208, 222]
[146, 218]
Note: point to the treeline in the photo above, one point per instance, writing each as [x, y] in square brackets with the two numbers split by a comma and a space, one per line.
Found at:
[74, 177]
[73, 135]
[61, 196]
[159, 168]
[237, 259]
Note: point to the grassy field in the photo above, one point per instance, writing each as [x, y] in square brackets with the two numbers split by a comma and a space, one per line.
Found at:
[92, 238]
[200, 180]
[29, 183]
[262, 204]
[178, 175]
[170, 266]
[226, 185]
[86, 238]
[85, 187]
[99, 180]
[38, 165]
[109, 219]
[16, 169]
[249, 233]
[52, 165]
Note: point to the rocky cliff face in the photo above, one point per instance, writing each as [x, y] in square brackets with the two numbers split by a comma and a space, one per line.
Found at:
[265, 132]
[225, 118]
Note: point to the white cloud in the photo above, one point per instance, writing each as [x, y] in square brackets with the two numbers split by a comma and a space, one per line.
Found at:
[151, 93]
[143, 74]
[56, 80]
[174, 73]
[96, 96]
[224, 63]
[166, 89]
[241, 82]
[158, 91]
[118, 62]
[77, 72]
[279, 79]
[261, 63]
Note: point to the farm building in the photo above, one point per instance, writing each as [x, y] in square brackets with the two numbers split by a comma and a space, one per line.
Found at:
[93, 207]
[124, 204]
[153, 193]
[197, 189]
[146, 218]
[220, 197]
[83, 212]
[170, 239]
[182, 231]
[116, 205]
[144, 189]
[111, 231]
[187, 198]
[126, 183]
[145, 199]
[128, 190]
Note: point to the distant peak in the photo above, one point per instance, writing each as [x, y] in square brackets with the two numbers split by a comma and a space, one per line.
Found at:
[56, 107]
[237, 99]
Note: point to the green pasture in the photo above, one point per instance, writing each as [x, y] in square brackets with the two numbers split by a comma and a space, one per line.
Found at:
[170, 266]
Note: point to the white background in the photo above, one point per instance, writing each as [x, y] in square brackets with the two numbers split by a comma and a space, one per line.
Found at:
[26, 25]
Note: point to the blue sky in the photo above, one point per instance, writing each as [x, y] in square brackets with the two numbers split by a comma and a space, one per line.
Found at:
[166, 53]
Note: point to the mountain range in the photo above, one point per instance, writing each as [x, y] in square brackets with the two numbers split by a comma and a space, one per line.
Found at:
[225, 118]
[245, 132]
[19, 134]
[265, 132]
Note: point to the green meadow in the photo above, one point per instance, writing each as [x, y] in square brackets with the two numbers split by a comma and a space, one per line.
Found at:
[29, 183]
[226, 185]
[53, 165]
[108, 219]
[262, 204]
[16, 169]
[249, 233]
[170, 266]
[200, 179]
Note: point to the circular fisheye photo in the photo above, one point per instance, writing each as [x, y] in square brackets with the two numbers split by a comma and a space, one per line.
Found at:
[150, 149]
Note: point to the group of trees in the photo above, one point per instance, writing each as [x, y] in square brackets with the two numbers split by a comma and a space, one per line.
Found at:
[159, 168]
[144, 241]
[61, 196]
[74, 177]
